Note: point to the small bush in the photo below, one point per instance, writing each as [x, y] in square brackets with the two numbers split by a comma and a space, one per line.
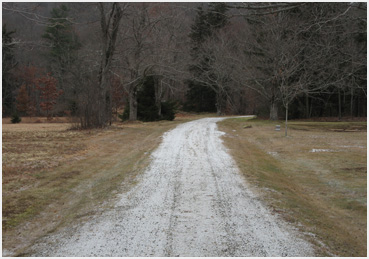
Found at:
[125, 115]
[147, 112]
[15, 118]
[168, 110]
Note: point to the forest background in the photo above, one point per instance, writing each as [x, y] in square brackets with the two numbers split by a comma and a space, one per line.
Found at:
[92, 61]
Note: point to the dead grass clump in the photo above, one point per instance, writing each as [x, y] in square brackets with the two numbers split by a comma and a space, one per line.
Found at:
[68, 175]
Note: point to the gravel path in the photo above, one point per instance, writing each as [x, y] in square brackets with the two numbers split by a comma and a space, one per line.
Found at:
[191, 201]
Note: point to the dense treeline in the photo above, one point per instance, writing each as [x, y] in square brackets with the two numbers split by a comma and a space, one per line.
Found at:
[92, 60]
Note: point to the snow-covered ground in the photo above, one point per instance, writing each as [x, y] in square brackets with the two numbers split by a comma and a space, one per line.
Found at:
[191, 201]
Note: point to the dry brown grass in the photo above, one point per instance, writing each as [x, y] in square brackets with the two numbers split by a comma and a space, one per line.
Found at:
[53, 176]
[30, 147]
[315, 178]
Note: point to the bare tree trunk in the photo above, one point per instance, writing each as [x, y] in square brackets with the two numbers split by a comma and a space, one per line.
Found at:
[358, 107]
[219, 110]
[339, 105]
[273, 111]
[133, 104]
[285, 130]
[307, 109]
[109, 29]
[352, 102]
[219, 104]
[158, 94]
[110, 106]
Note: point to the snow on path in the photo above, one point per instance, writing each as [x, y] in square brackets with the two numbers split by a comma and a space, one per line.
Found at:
[191, 201]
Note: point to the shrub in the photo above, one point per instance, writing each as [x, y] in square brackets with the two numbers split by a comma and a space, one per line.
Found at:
[15, 118]
[125, 115]
[168, 110]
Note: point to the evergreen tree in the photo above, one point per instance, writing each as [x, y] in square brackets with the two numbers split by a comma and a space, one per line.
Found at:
[146, 106]
[63, 54]
[15, 118]
[201, 97]
[200, 30]
[9, 63]
[63, 39]
[147, 110]
[216, 17]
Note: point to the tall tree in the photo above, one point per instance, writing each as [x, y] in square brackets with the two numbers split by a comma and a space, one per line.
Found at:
[203, 87]
[64, 42]
[144, 55]
[23, 100]
[109, 31]
[49, 93]
[64, 46]
[137, 53]
[8, 64]
[28, 76]
[264, 56]
[200, 97]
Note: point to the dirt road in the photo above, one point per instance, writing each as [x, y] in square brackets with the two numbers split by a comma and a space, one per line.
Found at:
[191, 201]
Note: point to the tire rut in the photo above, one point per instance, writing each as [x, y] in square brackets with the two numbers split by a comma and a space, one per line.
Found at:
[191, 201]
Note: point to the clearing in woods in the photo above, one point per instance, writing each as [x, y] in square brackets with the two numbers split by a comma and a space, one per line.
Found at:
[190, 200]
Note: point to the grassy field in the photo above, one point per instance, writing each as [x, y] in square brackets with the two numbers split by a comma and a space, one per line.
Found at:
[53, 176]
[316, 178]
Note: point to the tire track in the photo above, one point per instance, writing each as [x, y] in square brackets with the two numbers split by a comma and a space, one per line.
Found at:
[191, 201]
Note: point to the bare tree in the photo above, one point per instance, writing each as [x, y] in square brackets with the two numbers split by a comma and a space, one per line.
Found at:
[150, 46]
[217, 65]
[136, 51]
[261, 64]
[109, 28]
[170, 56]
